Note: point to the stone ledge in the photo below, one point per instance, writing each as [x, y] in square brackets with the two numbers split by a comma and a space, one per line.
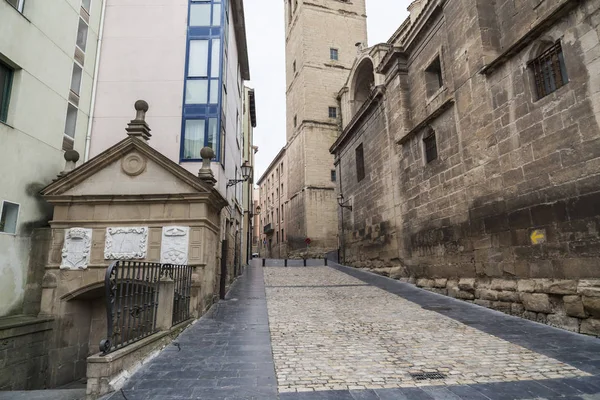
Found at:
[20, 325]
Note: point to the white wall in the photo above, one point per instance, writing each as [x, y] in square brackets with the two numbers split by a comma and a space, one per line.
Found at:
[40, 44]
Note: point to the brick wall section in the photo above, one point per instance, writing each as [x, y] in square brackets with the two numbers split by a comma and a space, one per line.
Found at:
[508, 163]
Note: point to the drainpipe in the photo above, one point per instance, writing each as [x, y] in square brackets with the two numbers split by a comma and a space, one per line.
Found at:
[88, 137]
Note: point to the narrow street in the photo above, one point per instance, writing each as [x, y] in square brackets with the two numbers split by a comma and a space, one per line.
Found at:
[334, 332]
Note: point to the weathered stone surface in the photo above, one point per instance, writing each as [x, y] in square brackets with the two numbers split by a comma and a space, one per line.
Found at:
[517, 309]
[501, 306]
[483, 303]
[564, 322]
[557, 286]
[537, 302]
[512, 297]
[589, 287]
[526, 285]
[460, 294]
[467, 284]
[486, 294]
[397, 272]
[574, 306]
[440, 283]
[504, 284]
[591, 305]
[590, 326]
[425, 283]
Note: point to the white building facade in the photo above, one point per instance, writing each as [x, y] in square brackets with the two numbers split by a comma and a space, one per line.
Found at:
[47, 64]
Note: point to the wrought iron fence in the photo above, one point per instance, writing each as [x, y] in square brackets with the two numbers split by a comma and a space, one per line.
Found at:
[132, 290]
[182, 276]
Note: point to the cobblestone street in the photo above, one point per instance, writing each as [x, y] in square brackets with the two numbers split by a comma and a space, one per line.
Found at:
[338, 333]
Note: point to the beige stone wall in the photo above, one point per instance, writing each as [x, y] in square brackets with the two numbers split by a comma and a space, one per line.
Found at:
[508, 164]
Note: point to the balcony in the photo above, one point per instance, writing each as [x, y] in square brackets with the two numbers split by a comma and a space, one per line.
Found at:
[268, 229]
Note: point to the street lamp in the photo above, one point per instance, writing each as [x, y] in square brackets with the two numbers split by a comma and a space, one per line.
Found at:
[343, 203]
[246, 172]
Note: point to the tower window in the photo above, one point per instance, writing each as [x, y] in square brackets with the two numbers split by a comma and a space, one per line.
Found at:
[333, 54]
[549, 71]
[360, 163]
[333, 175]
[430, 145]
[332, 112]
[295, 121]
[433, 77]
[294, 66]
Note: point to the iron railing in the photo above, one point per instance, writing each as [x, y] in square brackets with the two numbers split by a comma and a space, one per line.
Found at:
[182, 276]
[132, 290]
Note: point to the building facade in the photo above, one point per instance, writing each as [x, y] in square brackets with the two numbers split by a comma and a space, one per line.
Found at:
[274, 208]
[468, 160]
[47, 67]
[249, 150]
[321, 42]
[188, 60]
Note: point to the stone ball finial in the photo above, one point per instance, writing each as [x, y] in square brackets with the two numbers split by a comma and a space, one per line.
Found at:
[141, 105]
[71, 156]
[207, 153]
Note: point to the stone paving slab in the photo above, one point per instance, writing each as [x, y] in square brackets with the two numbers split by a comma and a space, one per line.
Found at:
[335, 338]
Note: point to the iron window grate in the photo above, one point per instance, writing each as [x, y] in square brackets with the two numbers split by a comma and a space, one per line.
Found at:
[549, 71]
[423, 376]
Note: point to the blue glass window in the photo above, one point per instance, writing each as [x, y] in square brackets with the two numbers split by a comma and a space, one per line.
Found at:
[202, 98]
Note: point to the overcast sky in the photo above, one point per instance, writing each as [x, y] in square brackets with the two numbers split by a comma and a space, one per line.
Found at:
[266, 46]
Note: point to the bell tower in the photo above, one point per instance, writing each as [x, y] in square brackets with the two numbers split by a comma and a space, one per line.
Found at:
[321, 41]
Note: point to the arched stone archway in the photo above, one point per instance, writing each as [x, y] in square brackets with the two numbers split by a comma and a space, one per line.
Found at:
[363, 83]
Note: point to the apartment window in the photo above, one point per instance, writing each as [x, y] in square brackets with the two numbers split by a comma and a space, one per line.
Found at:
[333, 175]
[332, 112]
[433, 77]
[82, 33]
[70, 126]
[281, 213]
[549, 70]
[295, 121]
[9, 217]
[6, 77]
[86, 4]
[277, 237]
[333, 54]
[282, 237]
[360, 163]
[18, 4]
[76, 78]
[430, 145]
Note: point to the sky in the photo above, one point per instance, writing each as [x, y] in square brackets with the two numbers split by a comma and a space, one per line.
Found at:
[266, 46]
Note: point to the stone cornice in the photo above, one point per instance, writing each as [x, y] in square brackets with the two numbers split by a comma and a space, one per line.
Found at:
[436, 113]
[374, 98]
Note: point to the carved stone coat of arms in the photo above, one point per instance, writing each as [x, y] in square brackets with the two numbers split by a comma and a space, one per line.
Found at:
[174, 245]
[76, 249]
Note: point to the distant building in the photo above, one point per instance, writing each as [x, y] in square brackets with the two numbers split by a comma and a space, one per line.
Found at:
[321, 42]
[249, 123]
[47, 62]
[274, 208]
[469, 153]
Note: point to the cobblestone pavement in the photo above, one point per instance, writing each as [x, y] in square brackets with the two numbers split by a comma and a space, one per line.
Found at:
[336, 334]
[343, 334]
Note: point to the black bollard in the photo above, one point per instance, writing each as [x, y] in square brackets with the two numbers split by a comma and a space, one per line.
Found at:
[263, 262]
[305, 262]
[325, 261]
[285, 262]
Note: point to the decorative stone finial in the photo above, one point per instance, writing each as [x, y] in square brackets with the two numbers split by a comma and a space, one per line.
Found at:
[205, 172]
[138, 126]
[71, 158]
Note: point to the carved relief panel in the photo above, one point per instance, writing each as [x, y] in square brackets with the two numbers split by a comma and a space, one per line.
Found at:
[124, 243]
[175, 243]
[76, 249]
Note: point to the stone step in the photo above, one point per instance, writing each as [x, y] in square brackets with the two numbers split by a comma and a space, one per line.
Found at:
[52, 394]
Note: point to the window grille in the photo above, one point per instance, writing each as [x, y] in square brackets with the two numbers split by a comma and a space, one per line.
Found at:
[430, 146]
[549, 71]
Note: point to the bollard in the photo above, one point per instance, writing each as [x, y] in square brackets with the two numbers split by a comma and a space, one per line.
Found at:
[305, 262]
[325, 261]
[263, 264]
[285, 262]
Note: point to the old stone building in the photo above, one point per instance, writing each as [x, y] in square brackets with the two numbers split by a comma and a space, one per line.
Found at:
[321, 39]
[469, 156]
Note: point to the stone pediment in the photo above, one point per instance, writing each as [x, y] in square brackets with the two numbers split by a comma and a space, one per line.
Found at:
[129, 168]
